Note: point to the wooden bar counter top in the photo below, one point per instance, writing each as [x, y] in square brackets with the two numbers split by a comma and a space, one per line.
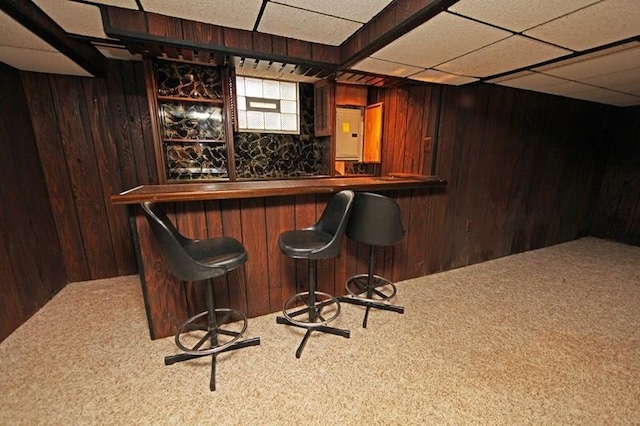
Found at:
[270, 188]
[256, 212]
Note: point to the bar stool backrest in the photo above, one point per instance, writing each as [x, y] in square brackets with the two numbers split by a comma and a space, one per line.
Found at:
[174, 247]
[375, 220]
[333, 221]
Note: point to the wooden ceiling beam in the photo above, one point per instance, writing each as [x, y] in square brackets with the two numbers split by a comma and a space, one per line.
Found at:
[35, 20]
[145, 28]
[394, 21]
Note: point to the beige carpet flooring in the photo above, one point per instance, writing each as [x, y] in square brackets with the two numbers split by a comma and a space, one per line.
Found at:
[550, 336]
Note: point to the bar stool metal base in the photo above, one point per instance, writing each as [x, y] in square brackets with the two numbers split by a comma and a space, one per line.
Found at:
[314, 320]
[372, 292]
[211, 337]
[376, 289]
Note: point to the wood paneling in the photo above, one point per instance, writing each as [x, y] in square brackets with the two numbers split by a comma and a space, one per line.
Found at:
[618, 210]
[31, 261]
[523, 168]
[94, 140]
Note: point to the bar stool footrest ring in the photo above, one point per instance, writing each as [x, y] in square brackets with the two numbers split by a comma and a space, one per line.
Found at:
[324, 302]
[235, 329]
[381, 290]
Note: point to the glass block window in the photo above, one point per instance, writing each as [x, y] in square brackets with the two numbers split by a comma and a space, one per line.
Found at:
[267, 106]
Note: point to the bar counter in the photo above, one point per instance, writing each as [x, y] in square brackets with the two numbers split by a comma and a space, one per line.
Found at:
[256, 212]
[270, 188]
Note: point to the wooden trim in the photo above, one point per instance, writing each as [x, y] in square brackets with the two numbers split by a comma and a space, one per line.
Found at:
[152, 90]
[227, 75]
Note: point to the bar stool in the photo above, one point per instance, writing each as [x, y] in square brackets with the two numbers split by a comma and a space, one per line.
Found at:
[375, 220]
[215, 330]
[312, 309]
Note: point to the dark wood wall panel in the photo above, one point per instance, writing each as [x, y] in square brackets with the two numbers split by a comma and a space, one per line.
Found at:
[254, 236]
[94, 140]
[32, 266]
[523, 168]
[237, 280]
[79, 155]
[618, 210]
[54, 166]
[279, 218]
[107, 160]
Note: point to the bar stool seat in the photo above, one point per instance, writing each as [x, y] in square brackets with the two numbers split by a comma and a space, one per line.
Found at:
[312, 309]
[215, 330]
[375, 220]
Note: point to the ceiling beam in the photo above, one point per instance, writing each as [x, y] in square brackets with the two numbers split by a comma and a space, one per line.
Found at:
[394, 21]
[34, 19]
[150, 29]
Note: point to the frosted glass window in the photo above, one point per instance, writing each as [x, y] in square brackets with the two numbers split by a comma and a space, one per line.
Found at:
[267, 105]
[272, 121]
[253, 87]
[240, 86]
[242, 119]
[288, 91]
[289, 122]
[271, 89]
[289, 107]
[255, 120]
[242, 103]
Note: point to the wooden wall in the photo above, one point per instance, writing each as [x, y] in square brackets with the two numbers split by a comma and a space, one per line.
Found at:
[94, 140]
[524, 170]
[30, 255]
[617, 216]
[68, 144]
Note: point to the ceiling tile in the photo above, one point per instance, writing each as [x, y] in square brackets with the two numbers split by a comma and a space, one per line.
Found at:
[13, 34]
[439, 40]
[378, 66]
[609, 97]
[541, 83]
[629, 86]
[356, 10]
[41, 61]
[291, 22]
[599, 63]
[434, 76]
[506, 55]
[74, 18]
[228, 13]
[538, 82]
[517, 15]
[602, 23]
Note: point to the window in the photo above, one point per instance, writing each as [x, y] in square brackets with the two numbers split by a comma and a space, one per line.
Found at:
[267, 106]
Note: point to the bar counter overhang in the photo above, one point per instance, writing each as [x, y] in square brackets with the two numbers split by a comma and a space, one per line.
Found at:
[256, 212]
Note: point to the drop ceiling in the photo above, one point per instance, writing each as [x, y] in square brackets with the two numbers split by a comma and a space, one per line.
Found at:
[583, 49]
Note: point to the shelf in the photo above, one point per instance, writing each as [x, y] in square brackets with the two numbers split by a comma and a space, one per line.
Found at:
[220, 141]
[186, 99]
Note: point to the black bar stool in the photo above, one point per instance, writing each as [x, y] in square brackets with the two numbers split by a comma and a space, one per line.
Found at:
[215, 330]
[313, 309]
[375, 220]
